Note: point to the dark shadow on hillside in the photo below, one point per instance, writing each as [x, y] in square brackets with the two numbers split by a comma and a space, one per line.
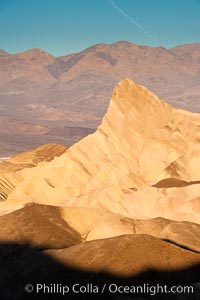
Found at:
[173, 183]
[22, 264]
[181, 246]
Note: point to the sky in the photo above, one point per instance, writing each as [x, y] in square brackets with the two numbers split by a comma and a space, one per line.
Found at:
[67, 26]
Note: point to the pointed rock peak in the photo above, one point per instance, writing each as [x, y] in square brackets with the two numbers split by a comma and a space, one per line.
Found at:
[127, 90]
[132, 105]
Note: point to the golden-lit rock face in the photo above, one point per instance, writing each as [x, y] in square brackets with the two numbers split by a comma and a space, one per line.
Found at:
[31, 158]
[142, 162]
[28, 159]
[94, 224]
[130, 255]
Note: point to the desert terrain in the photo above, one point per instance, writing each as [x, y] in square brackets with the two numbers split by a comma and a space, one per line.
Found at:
[121, 205]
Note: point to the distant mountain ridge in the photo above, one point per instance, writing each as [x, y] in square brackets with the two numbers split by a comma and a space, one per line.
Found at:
[74, 90]
[147, 65]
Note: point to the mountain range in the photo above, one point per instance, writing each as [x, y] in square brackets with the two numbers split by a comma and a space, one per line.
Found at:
[44, 98]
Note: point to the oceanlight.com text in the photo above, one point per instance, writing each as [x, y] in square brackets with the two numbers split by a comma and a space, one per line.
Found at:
[112, 288]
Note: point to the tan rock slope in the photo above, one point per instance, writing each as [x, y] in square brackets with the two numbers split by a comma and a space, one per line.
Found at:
[38, 225]
[93, 224]
[142, 162]
[32, 157]
[47, 226]
[24, 160]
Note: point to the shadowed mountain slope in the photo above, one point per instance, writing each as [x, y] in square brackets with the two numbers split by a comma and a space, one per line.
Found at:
[126, 260]
[38, 225]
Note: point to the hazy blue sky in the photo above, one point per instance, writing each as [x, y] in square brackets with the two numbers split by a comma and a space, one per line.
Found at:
[65, 26]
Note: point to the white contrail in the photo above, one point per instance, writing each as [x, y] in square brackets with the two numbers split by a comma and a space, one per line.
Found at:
[128, 17]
